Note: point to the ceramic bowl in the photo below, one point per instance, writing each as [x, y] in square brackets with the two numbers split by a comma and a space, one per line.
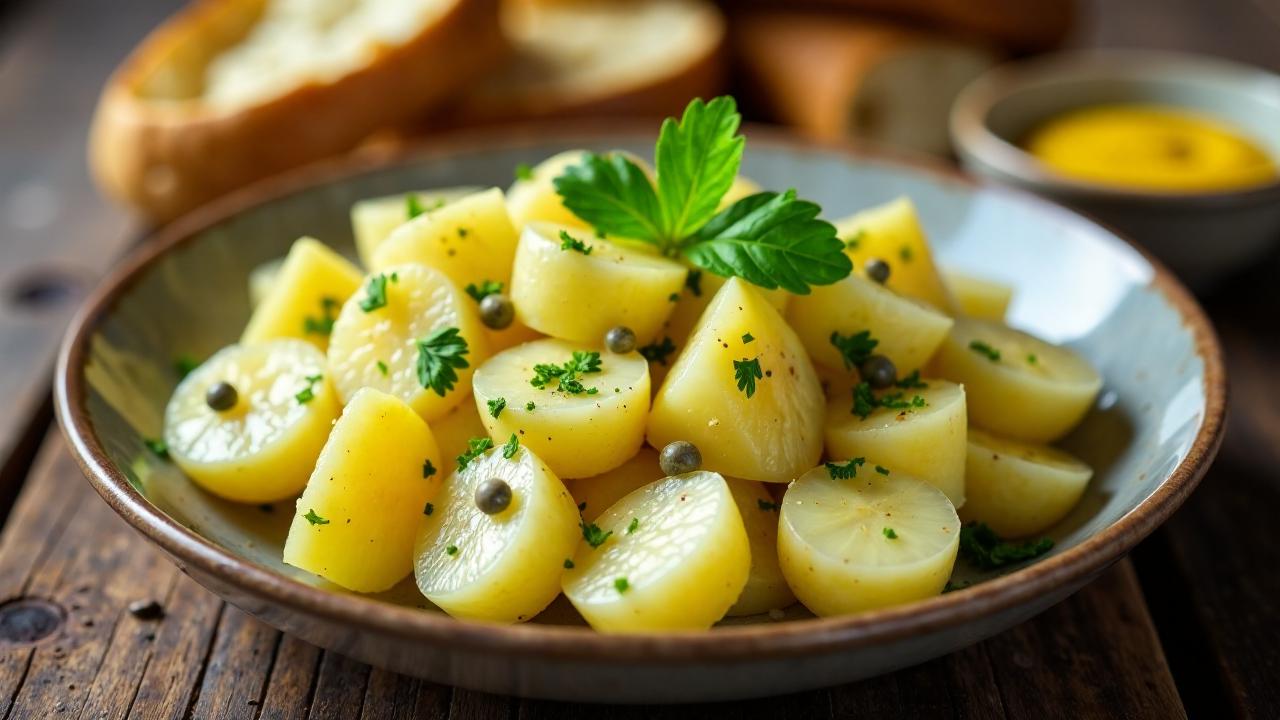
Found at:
[1151, 437]
[1203, 236]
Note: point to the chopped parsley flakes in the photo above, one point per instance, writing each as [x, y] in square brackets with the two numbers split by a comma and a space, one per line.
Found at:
[847, 470]
[1032, 359]
[308, 393]
[747, 372]
[865, 402]
[529, 406]
[475, 448]
[315, 519]
[889, 533]
[413, 206]
[451, 550]
[912, 382]
[633, 525]
[568, 564]
[524, 172]
[658, 351]
[484, 289]
[980, 545]
[567, 376]
[322, 325]
[184, 364]
[985, 350]
[747, 337]
[569, 242]
[510, 447]
[622, 585]
[440, 356]
[382, 368]
[854, 349]
[496, 406]
[882, 470]
[592, 533]
[159, 448]
[375, 293]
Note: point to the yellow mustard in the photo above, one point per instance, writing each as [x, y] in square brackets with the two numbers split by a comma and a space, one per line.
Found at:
[1150, 147]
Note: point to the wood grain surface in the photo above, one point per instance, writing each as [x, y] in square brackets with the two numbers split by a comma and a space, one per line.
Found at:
[1188, 627]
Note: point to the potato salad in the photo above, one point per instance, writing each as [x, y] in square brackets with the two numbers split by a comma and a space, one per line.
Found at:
[658, 390]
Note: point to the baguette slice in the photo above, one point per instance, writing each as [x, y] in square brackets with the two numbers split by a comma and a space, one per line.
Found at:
[611, 58]
[230, 91]
[834, 77]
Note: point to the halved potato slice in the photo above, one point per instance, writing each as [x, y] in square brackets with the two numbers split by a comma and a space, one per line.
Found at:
[263, 448]
[356, 521]
[374, 219]
[578, 434]
[379, 347]
[1020, 489]
[305, 296]
[596, 494]
[892, 232]
[978, 296]
[849, 545]
[503, 567]
[766, 588]
[1017, 385]
[676, 558]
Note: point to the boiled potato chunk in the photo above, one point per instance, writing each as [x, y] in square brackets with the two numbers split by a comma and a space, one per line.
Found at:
[576, 435]
[596, 494]
[263, 448]
[536, 199]
[373, 220]
[1020, 489]
[979, 297]
[677, 558]
[355, 523]
[892, 232]
[453, 431]
[504, 567]
[849, 545]
[766, 588]
[907, 332]
[773, 435]
[567, 294]
[312, 284]
[1018, 386]
[379, 347]
[925, 441]
[471, 240]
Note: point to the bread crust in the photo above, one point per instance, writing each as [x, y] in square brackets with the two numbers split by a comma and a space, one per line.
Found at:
[164, 157]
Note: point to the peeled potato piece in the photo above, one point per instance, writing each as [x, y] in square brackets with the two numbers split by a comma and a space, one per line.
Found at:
[373, 220]
[305, 296]
[452, 432]
[577, 435]
[773, 435]
[596, 494]
[576, 296]
[535, 198]
[379, 348]
[356, 521]
[979, 297]
[865, 542]
[926, 442]
[907, 332]
[471, 240]
[677, 559]
[504, 567]
[1020, 489]
[766, 588]
[263, 448]
[892, 232]
[1017, 385]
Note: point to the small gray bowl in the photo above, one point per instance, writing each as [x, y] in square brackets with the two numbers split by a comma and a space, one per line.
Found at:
[1203, 236]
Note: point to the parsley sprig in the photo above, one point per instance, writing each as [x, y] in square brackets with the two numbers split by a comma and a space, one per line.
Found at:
[484, 289]
[440, 358]
[475, 448]
[854, 349]
[769, 239]
[568, 376]
[746, 373]
[375, 293]
[846, 470]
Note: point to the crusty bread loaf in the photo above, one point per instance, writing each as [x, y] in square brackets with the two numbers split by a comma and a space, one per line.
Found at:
[229, 91]
[835, 77]
[601, 58]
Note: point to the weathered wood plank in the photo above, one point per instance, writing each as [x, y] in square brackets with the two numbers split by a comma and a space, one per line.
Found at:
[292, 680]
[237, 668]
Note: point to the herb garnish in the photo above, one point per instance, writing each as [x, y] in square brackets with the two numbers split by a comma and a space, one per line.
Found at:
[496, 406]
[159, 448]
[184, 364]
[524, 172]
[693, 281]
[658, 351]
[592, 533]
[746, 372]
[308, 393]
[375, 294]
[569, 242]
[769, 239]
[852, 242]
[567, 376]
[847, 470]
[912, 381]
[981, 546]
[439, 358]
[315, 519]
[413, 206]
[428, 509]
[906, 253]
[895, 401]
[983, 348]
[768, 506]
[854, 349]
[324, 324]
[428, 469]
[484, 289]
[529, 406]
[622, 585]
[889, 533]
[475, 447]
[510, 447]
[633, 525]
[864, 402]
[568, 564]
[451, 550]
[747, 337]
[383, 368]
[1032, 359]
[882, 470]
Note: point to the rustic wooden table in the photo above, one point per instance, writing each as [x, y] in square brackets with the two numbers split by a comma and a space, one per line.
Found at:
[1190, 625]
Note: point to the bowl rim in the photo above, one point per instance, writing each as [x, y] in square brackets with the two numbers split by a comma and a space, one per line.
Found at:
[743, 643]
[976, 142]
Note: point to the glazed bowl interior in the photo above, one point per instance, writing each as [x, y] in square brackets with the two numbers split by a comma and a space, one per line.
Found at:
[185, 294]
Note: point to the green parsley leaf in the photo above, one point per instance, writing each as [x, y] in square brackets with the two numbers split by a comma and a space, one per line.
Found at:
[747, 337]
[308, 393]
[697, 160]
[375, 294]
[315, 519]
[693, 282]
[484, 289]
[768, 506]
[568, 564]
[982, 348]
[633, 526]
[428, 469]
[882, 470]
[322, 325]
[439, 358]
[451, 550]
[475, 448]
[912, 381]
[854, 349]
[895, 401]
[614, 195]
[772, 240]
[889, 533]
[980, 545]
[621, 584]
[524, 172]
[159, 448]
[413, 206]
[529, 406]
[567, 376]
[864, 402]
[428, 509]
[569, 242]
[847, 470]
[383, 368]
[746, 372]
[184, 364]
[592, 533]
[510, 447]
[658, 351]
[496, 406]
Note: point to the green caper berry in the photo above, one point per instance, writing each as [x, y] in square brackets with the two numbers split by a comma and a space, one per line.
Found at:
[493, 496]
[878, 371]
[620, 340]
[680, 457]
[877, 270]
[497, 312]
[221, 396]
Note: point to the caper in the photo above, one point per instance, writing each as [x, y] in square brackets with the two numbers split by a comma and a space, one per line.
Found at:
[680, 457]
[877, 270]
[878, 372]
[493, 496]
[221, 396]
[496, 311]
[620, 340]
